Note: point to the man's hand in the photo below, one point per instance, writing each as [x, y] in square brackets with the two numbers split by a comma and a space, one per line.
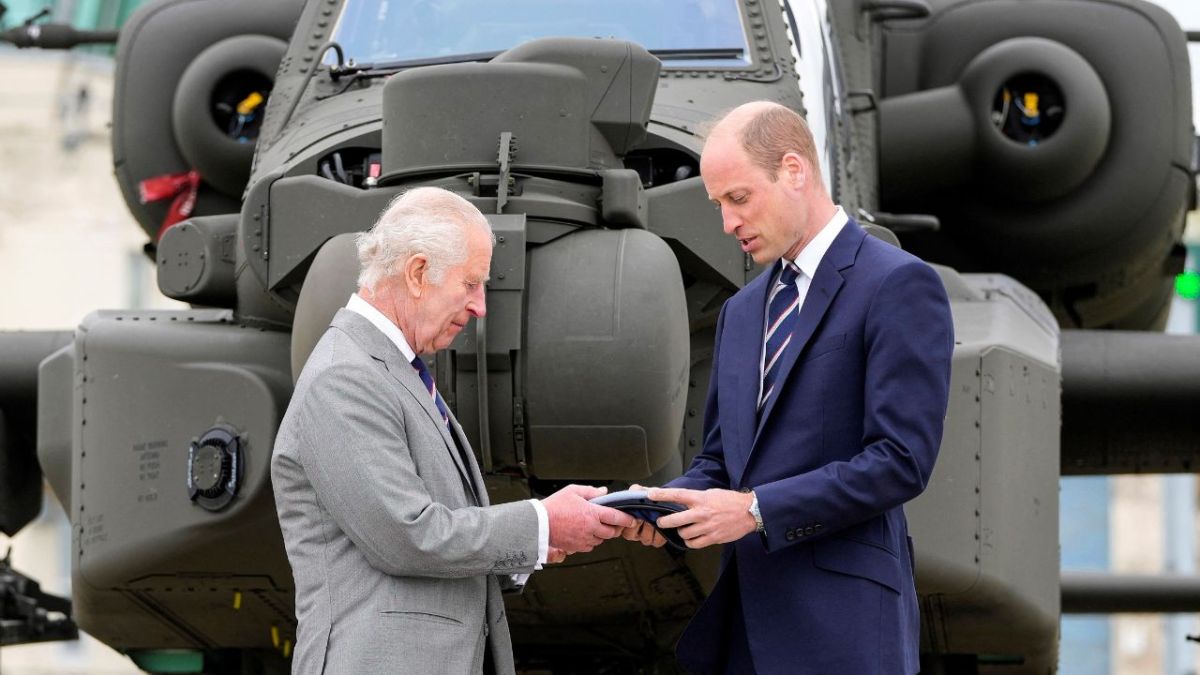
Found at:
[712, 517]
[555, 555]
[644, 533]
[576, 525]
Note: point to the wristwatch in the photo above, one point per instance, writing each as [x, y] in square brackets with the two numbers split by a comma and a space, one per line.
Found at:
[759, 527]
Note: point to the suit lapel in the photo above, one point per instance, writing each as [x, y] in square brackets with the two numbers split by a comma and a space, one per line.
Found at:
[383, 350]
[743, 332]
[822, 290]
[478, 487]
[407, 376]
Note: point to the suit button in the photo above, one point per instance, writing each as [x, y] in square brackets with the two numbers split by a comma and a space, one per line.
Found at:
[817, 527]
[808, 531]
[791, 534]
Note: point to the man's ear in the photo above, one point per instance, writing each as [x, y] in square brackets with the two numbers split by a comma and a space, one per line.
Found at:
[794, 170]
[415, 273]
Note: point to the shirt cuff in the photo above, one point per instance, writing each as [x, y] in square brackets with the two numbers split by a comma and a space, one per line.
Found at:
[543, 533]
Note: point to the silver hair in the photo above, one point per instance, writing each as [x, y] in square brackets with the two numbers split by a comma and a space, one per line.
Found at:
[428, 221]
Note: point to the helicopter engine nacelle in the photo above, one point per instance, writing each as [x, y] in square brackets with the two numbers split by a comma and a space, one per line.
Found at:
[191, 86]
[1045, 153]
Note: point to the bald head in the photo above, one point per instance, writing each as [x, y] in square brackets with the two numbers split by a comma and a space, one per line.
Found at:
[759, 166]
[767, 131]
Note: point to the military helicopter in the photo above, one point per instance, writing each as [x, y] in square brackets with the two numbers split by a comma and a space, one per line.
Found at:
[1045, 170]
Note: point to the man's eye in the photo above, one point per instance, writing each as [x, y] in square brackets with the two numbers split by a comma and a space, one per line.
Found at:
[738, 199]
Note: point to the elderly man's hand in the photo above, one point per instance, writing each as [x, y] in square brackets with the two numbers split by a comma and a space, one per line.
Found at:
[577, 525]
[712, 517]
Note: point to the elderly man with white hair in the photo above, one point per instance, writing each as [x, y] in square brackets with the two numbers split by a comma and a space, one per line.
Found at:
[398, 556]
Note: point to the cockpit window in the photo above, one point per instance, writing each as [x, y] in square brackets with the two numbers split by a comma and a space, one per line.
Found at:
[683, 33]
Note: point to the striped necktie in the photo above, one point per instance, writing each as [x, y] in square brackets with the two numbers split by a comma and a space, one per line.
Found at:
[427, 379]
[781, 322]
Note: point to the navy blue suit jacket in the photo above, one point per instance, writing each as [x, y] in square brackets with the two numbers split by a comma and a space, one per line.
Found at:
[851, 435]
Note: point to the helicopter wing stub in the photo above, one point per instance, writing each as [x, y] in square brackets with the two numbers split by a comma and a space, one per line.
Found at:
[1129, 403]
[20, 474]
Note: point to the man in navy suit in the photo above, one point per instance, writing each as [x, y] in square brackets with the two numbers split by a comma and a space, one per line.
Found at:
[830, 381]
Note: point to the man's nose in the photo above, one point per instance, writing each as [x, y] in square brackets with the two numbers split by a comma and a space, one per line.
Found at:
[477, 304]
[729, 221]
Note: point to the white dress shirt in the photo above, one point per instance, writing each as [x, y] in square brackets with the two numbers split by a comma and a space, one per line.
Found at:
[393, 333]
[807, 260]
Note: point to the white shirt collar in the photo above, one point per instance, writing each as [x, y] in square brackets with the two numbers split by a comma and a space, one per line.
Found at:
[811, 255]
[359, 306]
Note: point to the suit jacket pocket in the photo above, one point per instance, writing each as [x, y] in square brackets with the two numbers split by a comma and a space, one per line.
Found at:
[414, 642]
[425, 616]
[859, 559]
[825, 345]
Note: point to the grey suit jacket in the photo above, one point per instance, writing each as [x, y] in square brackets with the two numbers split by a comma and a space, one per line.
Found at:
[392, 543]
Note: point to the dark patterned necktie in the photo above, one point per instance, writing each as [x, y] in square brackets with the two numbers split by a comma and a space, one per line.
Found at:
[781, 322]
[427, 379]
